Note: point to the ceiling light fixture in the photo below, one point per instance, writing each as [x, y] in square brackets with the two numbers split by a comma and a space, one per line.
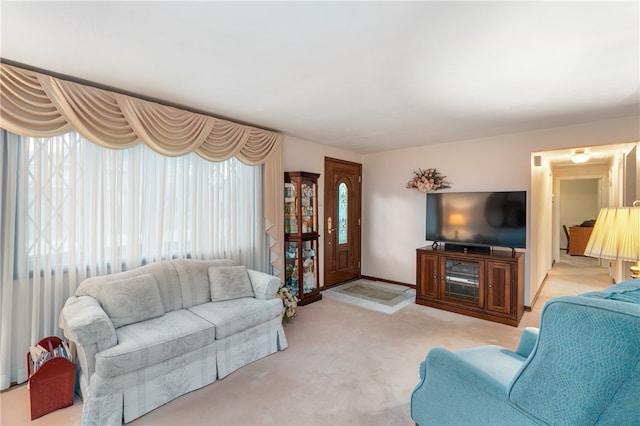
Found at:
[580, 156]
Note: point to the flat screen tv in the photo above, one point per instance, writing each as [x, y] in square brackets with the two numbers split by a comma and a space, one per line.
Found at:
[478, 218]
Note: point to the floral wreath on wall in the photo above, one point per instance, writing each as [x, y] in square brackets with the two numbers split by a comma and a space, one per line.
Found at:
[428, 180]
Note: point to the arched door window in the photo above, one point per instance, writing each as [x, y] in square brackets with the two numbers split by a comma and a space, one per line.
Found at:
[343, 200]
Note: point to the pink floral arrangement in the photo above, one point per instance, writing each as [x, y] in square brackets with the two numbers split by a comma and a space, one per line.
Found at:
[290, 303]
[428, 180]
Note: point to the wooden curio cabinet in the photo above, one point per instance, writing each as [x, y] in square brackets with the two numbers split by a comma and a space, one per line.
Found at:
[488, 286]
[301, 236]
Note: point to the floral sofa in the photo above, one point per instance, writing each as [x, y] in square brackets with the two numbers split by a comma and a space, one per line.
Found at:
[148, 335]
[581, 367]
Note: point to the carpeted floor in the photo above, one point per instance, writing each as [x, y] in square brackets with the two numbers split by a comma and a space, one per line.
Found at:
[374, 295]
[345, 365]
[579, 260]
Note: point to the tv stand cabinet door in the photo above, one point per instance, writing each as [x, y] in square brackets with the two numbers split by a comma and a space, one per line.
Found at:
[499, 285]
[462, 281]
[428, 275]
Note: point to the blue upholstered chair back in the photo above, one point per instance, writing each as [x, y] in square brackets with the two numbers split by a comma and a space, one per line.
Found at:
[585, 366]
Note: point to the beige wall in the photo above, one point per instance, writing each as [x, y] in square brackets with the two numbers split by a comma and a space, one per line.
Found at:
[307, 156]
[540, 228]
[578, 201]
[393, 216]
[573, 209]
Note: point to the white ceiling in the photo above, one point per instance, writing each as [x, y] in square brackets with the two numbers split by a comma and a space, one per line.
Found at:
[363, 76]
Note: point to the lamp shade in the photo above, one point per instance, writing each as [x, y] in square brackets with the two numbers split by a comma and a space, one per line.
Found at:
[616, 234]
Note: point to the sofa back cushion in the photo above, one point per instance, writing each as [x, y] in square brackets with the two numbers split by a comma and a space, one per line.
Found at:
[163, 272]
[193, 275]
[229, 282]
[131, 300]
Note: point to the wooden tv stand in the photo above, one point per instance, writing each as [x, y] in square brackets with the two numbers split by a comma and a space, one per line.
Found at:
[488, 286]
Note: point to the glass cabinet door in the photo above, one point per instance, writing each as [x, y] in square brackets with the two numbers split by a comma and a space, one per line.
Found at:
[307, 208]
[300, 203]
[462, 281]
[291, 267]
[309, 266]
[290, 210]
[301, 267]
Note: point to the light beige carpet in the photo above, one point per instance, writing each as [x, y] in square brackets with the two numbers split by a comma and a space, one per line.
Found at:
[345, 365]
[375, 295]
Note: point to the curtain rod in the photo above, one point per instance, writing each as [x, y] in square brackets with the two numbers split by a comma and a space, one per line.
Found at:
[126, 92]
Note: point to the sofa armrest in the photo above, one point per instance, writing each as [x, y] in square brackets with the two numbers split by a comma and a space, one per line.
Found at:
[448, 383]
[264, 285]
[85, 323]
[442, 360]
[453, 390]
[528, 340]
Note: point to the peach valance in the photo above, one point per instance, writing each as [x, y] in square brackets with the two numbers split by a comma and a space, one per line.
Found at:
[39, 105]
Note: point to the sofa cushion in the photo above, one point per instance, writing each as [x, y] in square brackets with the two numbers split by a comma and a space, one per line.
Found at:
[163, 272]
[194, 279]
[233, 316]
[131, 300]
[229, 282]
[265, 286]
[149, 342]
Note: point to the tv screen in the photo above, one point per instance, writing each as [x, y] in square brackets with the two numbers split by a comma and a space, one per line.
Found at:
[478, 218]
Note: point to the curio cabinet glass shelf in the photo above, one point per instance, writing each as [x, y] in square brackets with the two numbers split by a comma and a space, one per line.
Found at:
[301, 235]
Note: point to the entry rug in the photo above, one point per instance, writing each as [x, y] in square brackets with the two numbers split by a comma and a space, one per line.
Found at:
[374, 295]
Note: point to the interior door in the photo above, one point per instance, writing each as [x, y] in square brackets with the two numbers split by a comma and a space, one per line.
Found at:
[342, 201]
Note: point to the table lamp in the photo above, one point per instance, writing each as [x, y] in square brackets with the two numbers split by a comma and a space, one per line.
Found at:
[616, 235]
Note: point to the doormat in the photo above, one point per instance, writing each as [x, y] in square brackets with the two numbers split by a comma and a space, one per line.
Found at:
[374, 295]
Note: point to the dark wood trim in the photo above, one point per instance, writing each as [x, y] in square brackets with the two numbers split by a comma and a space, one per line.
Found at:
[338, 160]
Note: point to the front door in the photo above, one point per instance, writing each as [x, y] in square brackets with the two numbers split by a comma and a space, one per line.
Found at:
[342, 201]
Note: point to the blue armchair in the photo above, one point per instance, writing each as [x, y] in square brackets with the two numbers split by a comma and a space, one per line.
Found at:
[582, 366]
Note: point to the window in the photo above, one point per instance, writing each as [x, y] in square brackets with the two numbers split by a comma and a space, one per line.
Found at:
[103, 210]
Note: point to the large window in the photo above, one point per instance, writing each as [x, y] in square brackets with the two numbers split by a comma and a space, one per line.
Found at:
[105, 210]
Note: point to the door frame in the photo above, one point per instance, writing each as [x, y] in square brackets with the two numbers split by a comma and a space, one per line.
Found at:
[326, 213]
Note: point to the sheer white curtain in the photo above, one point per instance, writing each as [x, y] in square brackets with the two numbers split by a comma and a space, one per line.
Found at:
[70, 209]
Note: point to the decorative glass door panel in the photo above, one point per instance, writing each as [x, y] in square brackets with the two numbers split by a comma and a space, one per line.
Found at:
[343, 202]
